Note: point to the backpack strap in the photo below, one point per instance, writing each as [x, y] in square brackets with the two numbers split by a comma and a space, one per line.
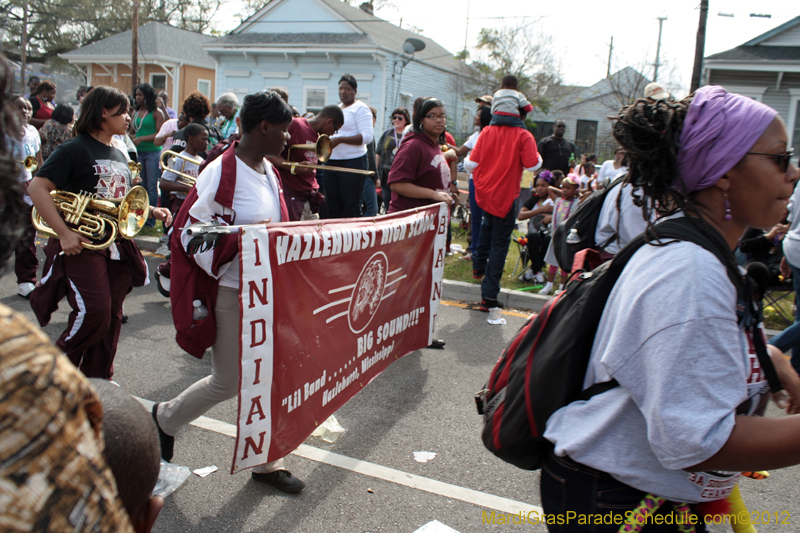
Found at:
[699, 232]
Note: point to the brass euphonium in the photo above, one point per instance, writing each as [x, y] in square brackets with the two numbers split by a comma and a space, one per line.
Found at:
[30, 163]
[183, 177]
[98, 219]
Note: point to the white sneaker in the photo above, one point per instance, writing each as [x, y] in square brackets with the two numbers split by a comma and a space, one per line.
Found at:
[539, 278]
[560, 288]
[547, 289]
[25, 289]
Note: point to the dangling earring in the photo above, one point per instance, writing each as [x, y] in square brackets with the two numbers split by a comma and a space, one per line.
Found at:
[727, 205]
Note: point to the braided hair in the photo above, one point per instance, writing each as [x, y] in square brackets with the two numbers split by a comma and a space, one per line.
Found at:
[650, 132]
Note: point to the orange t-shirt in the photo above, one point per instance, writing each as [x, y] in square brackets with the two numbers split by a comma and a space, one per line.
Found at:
[502, 152]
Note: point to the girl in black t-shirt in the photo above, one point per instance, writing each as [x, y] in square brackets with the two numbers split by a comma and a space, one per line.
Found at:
[95, 282]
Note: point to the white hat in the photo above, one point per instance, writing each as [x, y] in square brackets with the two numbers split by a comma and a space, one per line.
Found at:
[655, 91]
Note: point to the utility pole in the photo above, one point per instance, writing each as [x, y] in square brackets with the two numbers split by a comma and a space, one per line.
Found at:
[699, 49]
[658, 48]
[610, 50]
[466, 29]
[135, 43]
[24, 47]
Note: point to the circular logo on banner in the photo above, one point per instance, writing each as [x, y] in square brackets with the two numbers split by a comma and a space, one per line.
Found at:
[367, 293]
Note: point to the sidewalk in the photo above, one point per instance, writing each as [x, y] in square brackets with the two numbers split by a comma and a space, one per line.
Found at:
[453, 290]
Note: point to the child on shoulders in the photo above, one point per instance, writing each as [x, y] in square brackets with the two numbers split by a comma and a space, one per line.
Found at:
[509, 105]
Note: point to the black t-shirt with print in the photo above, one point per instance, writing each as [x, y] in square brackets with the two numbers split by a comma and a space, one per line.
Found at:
[84, 164]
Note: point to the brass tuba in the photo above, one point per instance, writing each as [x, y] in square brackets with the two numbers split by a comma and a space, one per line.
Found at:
[98, 219]
[183, 178]
[30, 163]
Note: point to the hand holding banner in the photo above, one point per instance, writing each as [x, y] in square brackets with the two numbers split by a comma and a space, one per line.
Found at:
[325, 307]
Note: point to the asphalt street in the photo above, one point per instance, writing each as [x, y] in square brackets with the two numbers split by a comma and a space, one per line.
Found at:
[368, 480]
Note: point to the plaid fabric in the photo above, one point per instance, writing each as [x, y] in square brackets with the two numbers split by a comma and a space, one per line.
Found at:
[52, 473]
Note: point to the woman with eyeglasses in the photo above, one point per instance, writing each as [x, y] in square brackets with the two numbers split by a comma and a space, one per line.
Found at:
[678, 332]
[420, 175]
[387, 148]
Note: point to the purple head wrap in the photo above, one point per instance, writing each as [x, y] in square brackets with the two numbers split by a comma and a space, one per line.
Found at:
[546, 175]
[719, 129]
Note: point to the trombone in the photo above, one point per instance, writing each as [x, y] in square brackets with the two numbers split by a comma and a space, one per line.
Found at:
[30, 163]
[323, 150]
[183, 178]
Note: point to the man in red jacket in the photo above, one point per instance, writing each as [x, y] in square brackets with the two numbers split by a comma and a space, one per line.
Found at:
[496, 163]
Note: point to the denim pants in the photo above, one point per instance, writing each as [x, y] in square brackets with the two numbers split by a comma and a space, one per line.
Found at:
[493, 249]
[344, 190]
[582, 491]
[789, 339]
[476, 219]
[150, 175]
[370, 198]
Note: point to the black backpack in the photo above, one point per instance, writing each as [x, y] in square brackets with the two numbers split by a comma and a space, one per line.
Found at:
[544, 366]
[584, 221]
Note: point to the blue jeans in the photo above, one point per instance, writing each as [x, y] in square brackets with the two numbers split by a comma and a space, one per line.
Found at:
[150, 175]
[570, 487]
[476, 218]
[789, 339]
[343, 190]
[370, 198]
[493, 249]
[507, 120]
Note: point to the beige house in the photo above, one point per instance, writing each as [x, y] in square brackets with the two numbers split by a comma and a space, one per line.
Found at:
[169, 58]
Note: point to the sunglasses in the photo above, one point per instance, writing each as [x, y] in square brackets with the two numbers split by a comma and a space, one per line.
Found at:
[398, 117]
[782, 159]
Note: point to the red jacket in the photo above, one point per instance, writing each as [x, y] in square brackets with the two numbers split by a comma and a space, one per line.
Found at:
[189, 282]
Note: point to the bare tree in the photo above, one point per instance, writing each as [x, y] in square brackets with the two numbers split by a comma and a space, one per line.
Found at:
[522, 51]
[58, 26]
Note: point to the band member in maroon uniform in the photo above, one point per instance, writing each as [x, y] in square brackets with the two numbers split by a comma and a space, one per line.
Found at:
[94, 282]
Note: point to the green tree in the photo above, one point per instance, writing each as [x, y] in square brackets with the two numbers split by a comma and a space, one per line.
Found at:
[58, 26]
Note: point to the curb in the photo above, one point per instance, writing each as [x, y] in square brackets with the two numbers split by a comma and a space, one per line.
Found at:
[453, 290]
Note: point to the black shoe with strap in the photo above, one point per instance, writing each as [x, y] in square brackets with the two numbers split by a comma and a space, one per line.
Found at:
[167, 442]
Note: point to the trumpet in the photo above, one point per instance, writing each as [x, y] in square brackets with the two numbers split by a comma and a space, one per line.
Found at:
[135, 168]
[323, 150]
[183, 177]
[30, 163]
[98, 219]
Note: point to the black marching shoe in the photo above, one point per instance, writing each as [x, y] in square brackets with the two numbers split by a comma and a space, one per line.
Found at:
[437, 344]
[167, 442]
[282, 480]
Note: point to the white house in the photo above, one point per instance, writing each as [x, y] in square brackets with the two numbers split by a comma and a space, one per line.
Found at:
[767, 69]
[304, 46]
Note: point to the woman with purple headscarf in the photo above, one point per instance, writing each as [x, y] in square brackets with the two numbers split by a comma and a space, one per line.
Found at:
[675, 433]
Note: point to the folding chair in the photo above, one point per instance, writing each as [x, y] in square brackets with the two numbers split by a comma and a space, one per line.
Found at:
[779, 293]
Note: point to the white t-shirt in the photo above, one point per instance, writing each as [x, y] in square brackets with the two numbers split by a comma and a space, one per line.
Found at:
[184, 167]
[685, 369]
[256, 198]
[471, 142]
[608, 173]
[30, 144]
[630, 218]
[357, 119]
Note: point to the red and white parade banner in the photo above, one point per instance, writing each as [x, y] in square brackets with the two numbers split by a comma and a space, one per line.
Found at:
[325, 307]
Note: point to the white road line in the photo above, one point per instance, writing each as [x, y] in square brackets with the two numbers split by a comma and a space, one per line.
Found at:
[385, 473]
